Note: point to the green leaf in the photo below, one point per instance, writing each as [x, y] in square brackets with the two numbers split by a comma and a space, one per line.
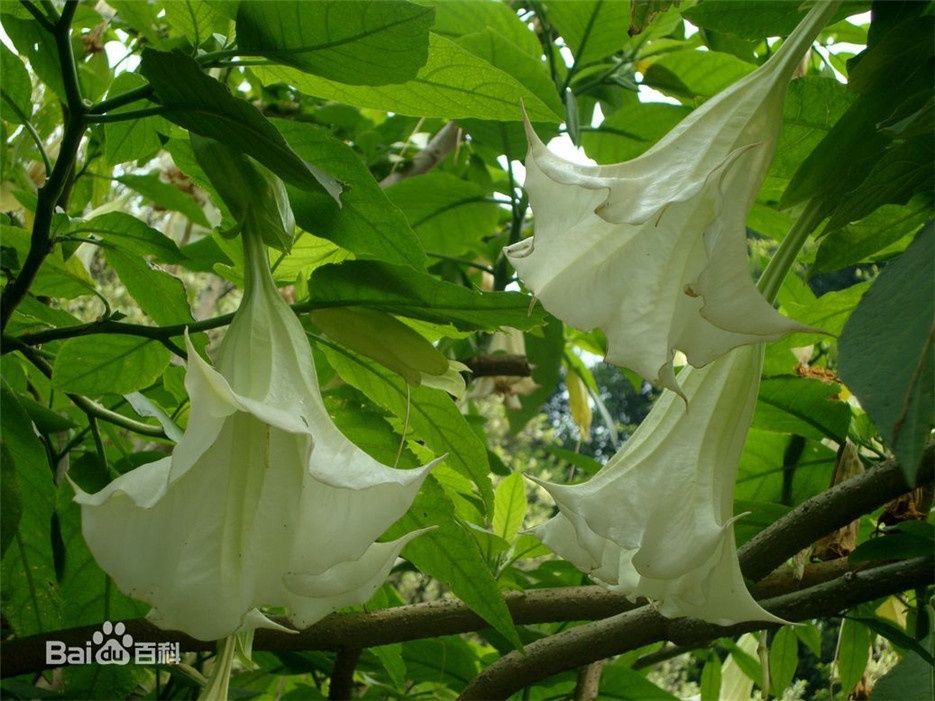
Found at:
[711, 680]
[853, 653]
[909, 678]
[783, 660]
[366, 223]
[509, 507]
[130, 235]
[166, 196]
[407, 292]
[130, 139]
[196, 20]
[631, 130]
[450, 215]
[689, 75]
[432, 416]
[592, 29]
[16, 89]
[141, 18]
[445, 660]
[895, 635]
[450, 554]
[618, 682]
[900, 173]
[31, 600]
[544, 351]
[57, 277]
[874, 237]
[109, 364]
[886, 349]
[748, 19]
[11, 495]
[457, 18]
[38, 47]
[453, 84]
[802, 405]
[897, 543]
[199, 103]
[160, 295]
[351, 41]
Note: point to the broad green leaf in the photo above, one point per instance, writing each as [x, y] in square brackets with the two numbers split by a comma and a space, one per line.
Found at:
[407, 292]
[899, 543]
[770, 471]
[450, 215]
[450, 554]
[502, 54]
[110, 364]
[391, 657]
[453, 84]
[16, 89]
[887, 356]
[201, 104]
[895, 634]
[783, 660]
[689, 75]
[509, 506]
[166, 196]
[367, 223]
[360, 42]
[142, 19]
[432, 416]
[873, 236]
[749, 19]
[631, 130]
[901, 172]
[592, 29]
[445, 660]
[618, 682]
[11, 498]
[308, 253]
[802, 405]
[456, 18]
[31, 599]
[38, 47]
[195, 19]
[57, 277]
[131, 139]
[160, 295]
[913, 675]
[130, 235]
[853, 653]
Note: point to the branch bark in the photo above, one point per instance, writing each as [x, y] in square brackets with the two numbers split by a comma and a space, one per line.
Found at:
[772, 547]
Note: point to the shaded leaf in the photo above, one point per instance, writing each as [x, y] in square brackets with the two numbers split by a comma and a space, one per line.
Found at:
[886, 351]
[801, 405]
[16, 89]
[360, 42]
[406, 292]
[509, 506]
[108, 365]
[199, 103]
[592, 29]
[454, 83]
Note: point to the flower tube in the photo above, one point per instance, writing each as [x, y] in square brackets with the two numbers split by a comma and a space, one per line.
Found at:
[653, 250]
[656, 521]
[263, 501]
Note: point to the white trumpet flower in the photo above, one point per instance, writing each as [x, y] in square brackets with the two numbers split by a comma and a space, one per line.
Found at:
[653, 250]
[263, 501]
[656, 521]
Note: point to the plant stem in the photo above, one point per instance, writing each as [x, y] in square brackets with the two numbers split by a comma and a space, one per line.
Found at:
[55, 186]
[780, 264]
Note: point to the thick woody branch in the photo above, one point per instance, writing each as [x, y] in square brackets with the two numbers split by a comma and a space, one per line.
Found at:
[628, 631]
[832, 509]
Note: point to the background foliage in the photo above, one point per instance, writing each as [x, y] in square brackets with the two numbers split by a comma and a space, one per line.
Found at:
[114, 242]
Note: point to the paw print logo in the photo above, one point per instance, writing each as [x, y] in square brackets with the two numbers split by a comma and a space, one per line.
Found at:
[113, 644]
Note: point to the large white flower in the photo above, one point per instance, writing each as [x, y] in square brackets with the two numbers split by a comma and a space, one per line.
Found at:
[653, 250]
[263, 502]
[656, 520]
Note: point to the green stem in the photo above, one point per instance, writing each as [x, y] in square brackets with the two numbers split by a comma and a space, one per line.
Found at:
[143, 92]
[780, 264]
[126, 116]
[31, 130]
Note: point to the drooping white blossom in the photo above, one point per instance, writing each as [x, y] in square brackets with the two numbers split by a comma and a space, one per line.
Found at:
[656, 521]
[263, 502]
[653, 250]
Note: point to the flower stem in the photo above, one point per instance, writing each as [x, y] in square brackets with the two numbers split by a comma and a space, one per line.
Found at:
[780, 264]
[219, 679]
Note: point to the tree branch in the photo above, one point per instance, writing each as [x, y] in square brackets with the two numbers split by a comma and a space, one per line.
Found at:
[628, 631]
[425, 160]
[765, 552]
